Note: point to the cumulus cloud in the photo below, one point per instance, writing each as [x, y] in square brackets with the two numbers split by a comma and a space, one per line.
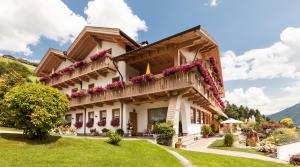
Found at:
[114, 13]
[23, 23]
[213, 3]
[253, 97]
[278, 60]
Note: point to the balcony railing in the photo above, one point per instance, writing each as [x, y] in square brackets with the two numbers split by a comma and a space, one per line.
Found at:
[90, 70]
[180, 81]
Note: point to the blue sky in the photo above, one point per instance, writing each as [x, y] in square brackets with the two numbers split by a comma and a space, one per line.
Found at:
[238, 27]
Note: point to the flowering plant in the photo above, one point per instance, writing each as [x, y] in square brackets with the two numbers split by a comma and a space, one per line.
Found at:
[67, 69]
[270, 125]
[115, 85]
[102, 122]
[44, 79]
[182, 68]
[95, 90]
[215, 69]
[115, 122]
[143, 78]
[78, 64]
[78, 125]
[99, 55]
[90, 124]
[55, 74]
[77, 94]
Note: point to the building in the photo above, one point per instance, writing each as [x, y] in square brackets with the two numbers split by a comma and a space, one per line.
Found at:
[103, 73]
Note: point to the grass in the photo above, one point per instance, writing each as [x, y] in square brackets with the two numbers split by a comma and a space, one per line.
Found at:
[213, 160]
[10, 129]
[219, 144]
[63, 151]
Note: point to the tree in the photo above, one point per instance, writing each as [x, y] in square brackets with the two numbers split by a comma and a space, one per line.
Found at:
[8, 81]
[14, 66]
[36, 108]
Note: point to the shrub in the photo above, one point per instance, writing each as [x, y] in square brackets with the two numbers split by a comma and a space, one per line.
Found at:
[206, 130]
[228, 140]
[120, 132]
[214, 128]
[36, 108]
[165, 133]
[114, 138]
[287, 122]
[295, 159]
[94, 132]
[266, 146]
[284, 135]
[105, 130]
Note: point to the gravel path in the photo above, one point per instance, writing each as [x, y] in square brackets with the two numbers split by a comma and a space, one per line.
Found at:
[202, 146]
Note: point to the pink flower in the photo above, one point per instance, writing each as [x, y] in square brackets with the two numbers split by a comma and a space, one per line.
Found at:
[78, 64]
[143, 78]
[77, 94]
[44, 79]
[99, 55]
[115, 85]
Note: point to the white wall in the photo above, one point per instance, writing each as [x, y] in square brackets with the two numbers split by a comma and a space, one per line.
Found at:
[286, 151]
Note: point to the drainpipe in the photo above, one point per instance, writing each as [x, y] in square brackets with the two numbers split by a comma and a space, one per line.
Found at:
[122, 79]
[122, 115]
[84, 122]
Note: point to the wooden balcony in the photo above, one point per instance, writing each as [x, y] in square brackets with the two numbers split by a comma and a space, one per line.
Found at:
[92, 69]
[190, 84]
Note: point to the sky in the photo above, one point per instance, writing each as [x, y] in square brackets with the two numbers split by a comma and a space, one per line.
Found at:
[259, 39]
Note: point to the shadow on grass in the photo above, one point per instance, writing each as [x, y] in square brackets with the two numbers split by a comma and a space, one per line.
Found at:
[23, 138]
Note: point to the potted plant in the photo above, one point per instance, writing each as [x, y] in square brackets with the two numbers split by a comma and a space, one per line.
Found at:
[115, 122]
[178, 144]
[206, 130]
[129, 128]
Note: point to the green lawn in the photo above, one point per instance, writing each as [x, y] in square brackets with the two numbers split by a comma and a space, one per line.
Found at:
[213, 160]
[10, 129]
[61, 151]
[219, 144]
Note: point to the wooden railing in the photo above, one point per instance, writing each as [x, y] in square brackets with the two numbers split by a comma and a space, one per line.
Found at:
[90, 67]
[191, 79]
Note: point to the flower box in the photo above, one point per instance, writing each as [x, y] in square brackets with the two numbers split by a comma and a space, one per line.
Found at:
[115, 85]
[78, 64]
[55, 74]
[213, 64]
[90, 124]
[95, 90]
[78, 94]
[102, 123]
[78, 125]
[143, 78]
[115, 122]
[44, 79]
[67, 69]
[99, 55]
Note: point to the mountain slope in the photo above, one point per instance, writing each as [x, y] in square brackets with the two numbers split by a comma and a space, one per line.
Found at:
[291, 112]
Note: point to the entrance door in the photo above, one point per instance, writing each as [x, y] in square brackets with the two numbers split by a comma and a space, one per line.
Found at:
[133, 120]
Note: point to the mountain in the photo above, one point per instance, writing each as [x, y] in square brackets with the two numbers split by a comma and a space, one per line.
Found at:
[30, 65]
[291, 112]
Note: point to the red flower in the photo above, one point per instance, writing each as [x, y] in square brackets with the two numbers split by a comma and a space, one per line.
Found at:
[44, 79]
[95, 90]
[99, 55]
[90, 124]
[78, 125]
[116, 85]
[143, 78]
[77, 94]
[115, 122]
[102, 122]
[55, 74]
[67, 69]
[78, 64]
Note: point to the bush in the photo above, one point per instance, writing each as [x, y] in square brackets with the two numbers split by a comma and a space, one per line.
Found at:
[295, 159]
[114, 138]
[36, 108]
[105, 130]
[206, 130]
[284, 135]
[228, 140]
[287, 122]
[94, 132]
[266, 146]
[214, 128]
[165, 133]
[120, 132]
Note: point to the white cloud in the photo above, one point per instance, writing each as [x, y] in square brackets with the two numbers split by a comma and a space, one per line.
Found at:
[253, 97]
[114, 13]
[278, 60]
[213, 3]
[23, 23]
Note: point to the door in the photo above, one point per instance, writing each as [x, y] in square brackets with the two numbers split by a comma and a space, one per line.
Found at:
[133, 120]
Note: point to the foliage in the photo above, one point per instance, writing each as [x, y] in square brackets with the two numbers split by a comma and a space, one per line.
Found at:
[102, 122]
[266, 146]
[78, 125]
[90, 124]
[120, 132]
[105, 130]
[64, 130]
[283, 135]
[114, 138]
[214, 128]
[94, 132]
[287, 122]
[295, 159]
[7, 67]
[115, 122]
[228, 140]
[165, 132]
[36, 108]
[206, 130]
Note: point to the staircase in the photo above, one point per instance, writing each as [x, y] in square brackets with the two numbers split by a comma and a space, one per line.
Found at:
[189, 139]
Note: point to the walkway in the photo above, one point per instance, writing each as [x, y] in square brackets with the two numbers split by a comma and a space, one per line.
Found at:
[203, 143]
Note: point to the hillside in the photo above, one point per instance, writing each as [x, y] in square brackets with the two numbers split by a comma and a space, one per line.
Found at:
[29, 65]
[291, 112]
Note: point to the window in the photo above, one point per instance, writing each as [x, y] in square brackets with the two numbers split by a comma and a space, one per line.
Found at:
[198, 116]
[157, 115]
[103, 115]
[116, 113]
[193, 115]
[91, 86]
[74, 90]
[91, 116]
[115, 79]
[68, 118]
[79, 117]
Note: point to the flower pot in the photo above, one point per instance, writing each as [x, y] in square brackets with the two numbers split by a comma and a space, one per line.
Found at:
[205, 136]
[178, 145]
